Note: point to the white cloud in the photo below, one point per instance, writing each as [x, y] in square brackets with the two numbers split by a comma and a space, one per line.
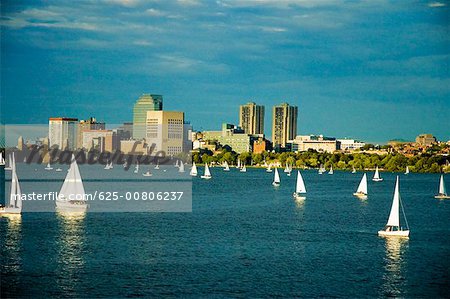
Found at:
[436, 4]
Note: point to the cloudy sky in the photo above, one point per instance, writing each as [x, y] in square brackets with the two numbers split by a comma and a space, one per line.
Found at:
[371, 70]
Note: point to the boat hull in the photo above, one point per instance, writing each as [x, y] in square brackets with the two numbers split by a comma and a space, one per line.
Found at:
[298, 196]
[377, 180]
[205, 177]
[276, 184]
[396, 233]
[360, 195]
[442, 196]
[71, 206]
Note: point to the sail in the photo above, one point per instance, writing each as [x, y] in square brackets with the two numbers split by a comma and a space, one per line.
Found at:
[300, 188]
[362, 188]
[442, 186]
[73, 183]
[276, 178]
[136, 168]
[226, 166]
[193, 170]
[394, 216]
[2, 161]
[207, 172]
[407, 170]
[331, 170]
[377, 174]
[244, 168]
[181, 169]
[15, 197]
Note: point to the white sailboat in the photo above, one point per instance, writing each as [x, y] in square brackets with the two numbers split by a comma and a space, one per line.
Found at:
[9, 167]
[243, 169]
[136, 168]
[176, 164]
[393, 227]
[157, 165]
[331, 170]
[238, 164]
[354, 170]
[226, 167]
[49, 166]
[108, 165]
[2, 160]
[442, 192]
[407, 170]
[58, 169]
[181, 167]
[299, 187]
[71, 197]
[147, 173]
[14, 206]
[269, 168]
[321, 169]
[276, 178]
[376, 176]
[361, 192]
[207, 174]
[286, 168]
[193, 170]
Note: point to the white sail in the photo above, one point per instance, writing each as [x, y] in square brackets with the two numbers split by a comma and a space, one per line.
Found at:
[442, 186]
[244, 169]
[193, 170]
[207, 172]
[227, 168]
[331, 170]
[136, 168]
[300, 187]
[394, 216]
[2, 161]
[286, 169]
[276, 178]
[181, 169]
[15, 197]
[377, 174]
[73, 185]
[362, 188]
[407, 170]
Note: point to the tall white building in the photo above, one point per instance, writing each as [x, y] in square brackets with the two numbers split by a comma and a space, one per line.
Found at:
[165, 130]
[62, 131]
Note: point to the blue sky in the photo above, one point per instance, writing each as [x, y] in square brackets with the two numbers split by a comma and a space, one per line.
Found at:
[371, 70]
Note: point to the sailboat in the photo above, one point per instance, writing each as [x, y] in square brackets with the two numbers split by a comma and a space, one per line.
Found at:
[442, 192]
[407, 170]
[2, 160]
[243, 169]
[71, 196]
[299, 187]
[238, 164]
[289, 170]
[376, 176]
[181, 167]
[193, 170]
[14, 206]
[321, 169]
[176, 164]
[147, 173]
[58, 169]
[9, 167]
[269, 168]
[136, 168]
[49, 166]
[226, 168]
[157, 165]
[108, 165]
[286, 169]
[354, 170]
[361, 192]
[331, 170]
[276, 178]
[393, 227]
[207, 174]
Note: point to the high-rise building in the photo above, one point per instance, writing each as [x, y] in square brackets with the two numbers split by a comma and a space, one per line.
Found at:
[251, 118]
[101, 140]
[165, 130]
[62, 131]
[87, 125]
[284, 124]
[145, 103]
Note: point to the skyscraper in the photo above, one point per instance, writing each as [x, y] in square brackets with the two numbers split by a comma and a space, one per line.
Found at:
[62, 131]
[165, 131]
[251, 118]
[145, 103]
[284, 124]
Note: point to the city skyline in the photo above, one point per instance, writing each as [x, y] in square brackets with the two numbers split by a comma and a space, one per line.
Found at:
[372, 71]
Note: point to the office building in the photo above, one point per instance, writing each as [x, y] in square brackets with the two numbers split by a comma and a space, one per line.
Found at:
[101, 140]
[165, 131]
[284, 125]
[350, 144]
[62, 132]
[232, 136]
[87, 125]
[145, 103]
[251, 118]
[313, 142]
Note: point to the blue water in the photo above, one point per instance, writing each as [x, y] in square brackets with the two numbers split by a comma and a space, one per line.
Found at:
[244, 238]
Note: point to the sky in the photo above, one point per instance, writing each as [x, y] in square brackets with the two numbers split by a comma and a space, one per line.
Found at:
[370, 70]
